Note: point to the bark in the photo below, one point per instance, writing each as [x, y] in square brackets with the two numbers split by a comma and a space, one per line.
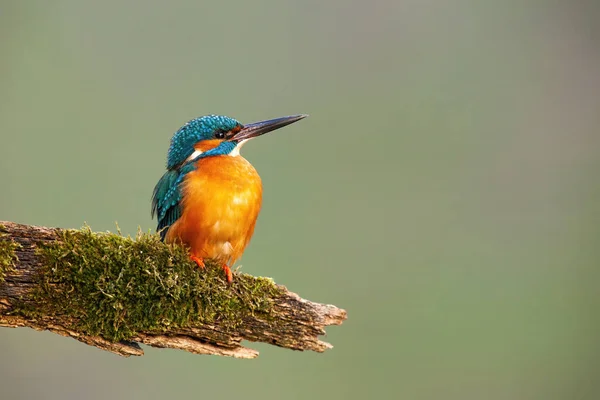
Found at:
[294, 323]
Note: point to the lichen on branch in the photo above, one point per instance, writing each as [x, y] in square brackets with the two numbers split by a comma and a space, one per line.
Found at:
[113, 286]
[7, 253]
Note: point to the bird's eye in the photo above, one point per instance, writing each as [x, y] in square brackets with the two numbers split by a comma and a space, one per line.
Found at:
[220, 134]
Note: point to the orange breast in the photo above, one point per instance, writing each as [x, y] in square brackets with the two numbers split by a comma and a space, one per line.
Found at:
[221, 202]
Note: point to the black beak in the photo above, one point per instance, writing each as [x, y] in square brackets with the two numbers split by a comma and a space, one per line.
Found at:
[260, 128]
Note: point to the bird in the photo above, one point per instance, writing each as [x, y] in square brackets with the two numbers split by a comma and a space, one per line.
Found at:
[210, 196]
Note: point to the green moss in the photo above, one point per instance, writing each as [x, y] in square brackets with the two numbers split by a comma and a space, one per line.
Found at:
[7, 254]
[114, 286]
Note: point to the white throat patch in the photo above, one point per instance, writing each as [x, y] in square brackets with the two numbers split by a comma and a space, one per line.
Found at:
[236, 150]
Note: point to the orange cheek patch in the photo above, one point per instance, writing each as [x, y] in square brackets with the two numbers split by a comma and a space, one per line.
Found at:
[206, 145]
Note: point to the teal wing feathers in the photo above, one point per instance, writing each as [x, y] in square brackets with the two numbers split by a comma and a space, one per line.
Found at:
[166, 200]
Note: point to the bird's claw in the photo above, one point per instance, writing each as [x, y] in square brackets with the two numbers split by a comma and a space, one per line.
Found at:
[199, 262]
[228, 273]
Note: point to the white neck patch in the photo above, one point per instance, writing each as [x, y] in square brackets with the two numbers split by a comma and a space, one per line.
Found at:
[195, 154]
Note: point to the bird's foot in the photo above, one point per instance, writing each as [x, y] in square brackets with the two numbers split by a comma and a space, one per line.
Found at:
[228, 273]
[199, 262]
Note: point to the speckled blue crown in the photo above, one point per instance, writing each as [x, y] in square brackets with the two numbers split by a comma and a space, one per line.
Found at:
[202, 128]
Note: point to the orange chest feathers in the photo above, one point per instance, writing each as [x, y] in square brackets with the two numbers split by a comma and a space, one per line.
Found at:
[220, 204]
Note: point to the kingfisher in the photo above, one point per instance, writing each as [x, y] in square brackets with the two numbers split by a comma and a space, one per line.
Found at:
[210, 196]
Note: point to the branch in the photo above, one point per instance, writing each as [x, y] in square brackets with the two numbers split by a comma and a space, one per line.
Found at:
[114, 292]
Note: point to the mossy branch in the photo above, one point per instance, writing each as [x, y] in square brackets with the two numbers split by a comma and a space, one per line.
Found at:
[114, 292]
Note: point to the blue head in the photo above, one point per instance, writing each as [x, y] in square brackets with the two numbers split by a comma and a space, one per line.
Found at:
[209, 127]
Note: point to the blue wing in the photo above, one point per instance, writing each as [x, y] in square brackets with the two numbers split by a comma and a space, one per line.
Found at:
[165, 200]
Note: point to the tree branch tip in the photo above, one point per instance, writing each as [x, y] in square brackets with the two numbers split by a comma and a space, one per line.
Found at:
[197, 347]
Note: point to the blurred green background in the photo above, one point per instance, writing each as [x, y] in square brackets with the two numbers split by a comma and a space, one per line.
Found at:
[444, 190]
